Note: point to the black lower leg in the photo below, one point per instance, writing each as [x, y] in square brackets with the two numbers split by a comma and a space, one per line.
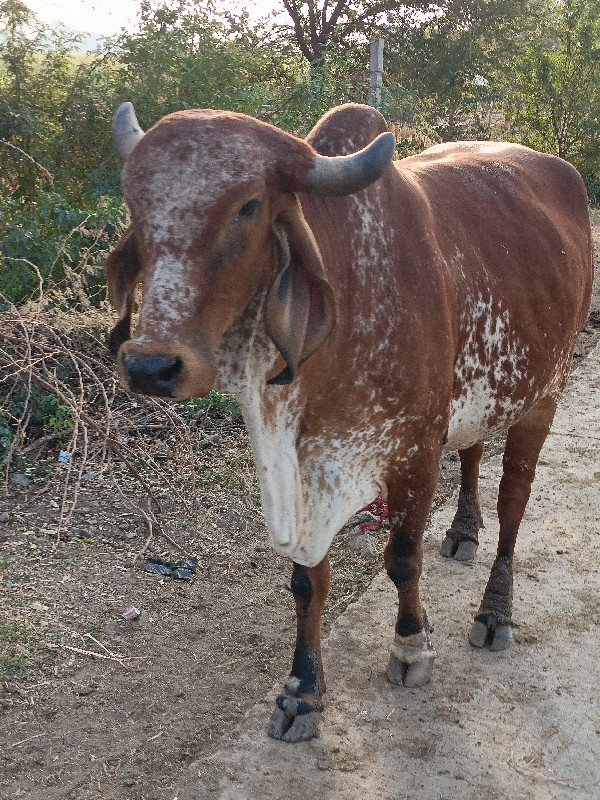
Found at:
[496, 606]
[307, 667]
[462, 537]
[299, 706]
[403, 560]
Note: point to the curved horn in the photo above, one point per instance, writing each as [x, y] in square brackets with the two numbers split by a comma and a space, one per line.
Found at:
[126, 130]
[340, 175]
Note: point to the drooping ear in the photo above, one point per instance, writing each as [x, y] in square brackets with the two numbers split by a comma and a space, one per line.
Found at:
[300, 309]
[122, 270]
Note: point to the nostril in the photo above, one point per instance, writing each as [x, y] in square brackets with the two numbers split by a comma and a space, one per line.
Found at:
[154, 375]
[168, 372]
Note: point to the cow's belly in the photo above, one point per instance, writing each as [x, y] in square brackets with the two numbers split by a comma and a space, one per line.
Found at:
[501, 372]
[495, 400]
[479, 413]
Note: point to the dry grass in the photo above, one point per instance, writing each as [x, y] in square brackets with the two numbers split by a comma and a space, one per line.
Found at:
[55, 364]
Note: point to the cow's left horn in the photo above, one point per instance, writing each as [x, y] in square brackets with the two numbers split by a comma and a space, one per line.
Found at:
[126, 130]
[340, 175]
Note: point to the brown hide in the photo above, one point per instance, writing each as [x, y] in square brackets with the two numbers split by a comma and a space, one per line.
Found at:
[450, 224]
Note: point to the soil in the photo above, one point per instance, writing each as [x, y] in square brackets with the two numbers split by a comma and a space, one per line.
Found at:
[93, 705]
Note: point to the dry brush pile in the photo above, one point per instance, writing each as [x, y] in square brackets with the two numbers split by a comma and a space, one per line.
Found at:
[62, 411]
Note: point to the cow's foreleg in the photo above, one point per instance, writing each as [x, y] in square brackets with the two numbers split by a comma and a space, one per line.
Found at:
[462, 538]
[493, 622]
[300, 706]
[412, 654]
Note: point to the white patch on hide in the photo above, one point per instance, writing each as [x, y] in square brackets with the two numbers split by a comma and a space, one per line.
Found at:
[169, 298]
[487, 371]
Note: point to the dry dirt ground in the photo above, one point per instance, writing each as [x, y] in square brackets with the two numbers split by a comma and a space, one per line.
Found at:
[95, 706]
[522, 724]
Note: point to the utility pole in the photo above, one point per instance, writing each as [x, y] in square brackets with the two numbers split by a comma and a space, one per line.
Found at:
[375, 72]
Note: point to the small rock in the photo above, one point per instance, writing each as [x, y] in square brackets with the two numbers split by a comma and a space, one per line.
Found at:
[362, 542]
[20, 480]
[85, 689]
[5, 516]
[131, 612]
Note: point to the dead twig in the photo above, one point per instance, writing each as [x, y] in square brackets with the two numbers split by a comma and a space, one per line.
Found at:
[91, 653]
[28, 739]
[31, 159]
[537, 775]
[106, 650]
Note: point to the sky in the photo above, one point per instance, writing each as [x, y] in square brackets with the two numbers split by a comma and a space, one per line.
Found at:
[107, 17]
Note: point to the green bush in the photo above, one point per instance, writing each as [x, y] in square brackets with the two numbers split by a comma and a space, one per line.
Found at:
[41, 410]
[49, 239]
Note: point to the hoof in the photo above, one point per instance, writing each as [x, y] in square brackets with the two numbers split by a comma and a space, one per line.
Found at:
[293, 729]
[466, 551]
[491, 633]
[411, 660]
[294, 719]
[458, 546]
[448, 547]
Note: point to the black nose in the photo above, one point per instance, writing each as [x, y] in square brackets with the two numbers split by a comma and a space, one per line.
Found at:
[155, 375]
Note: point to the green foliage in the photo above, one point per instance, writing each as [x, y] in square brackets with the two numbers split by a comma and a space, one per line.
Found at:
[13, 661]
[42, 410]
[54, 413]
[54, 224]
[51, 240]
[215, 406]
[188, 55]
[554, 102]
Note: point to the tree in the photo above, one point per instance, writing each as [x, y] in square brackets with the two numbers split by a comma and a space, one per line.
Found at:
[454, 56]
[554, 97]
[188, 55]
[21, 36]
[21, 39]
[320, 25]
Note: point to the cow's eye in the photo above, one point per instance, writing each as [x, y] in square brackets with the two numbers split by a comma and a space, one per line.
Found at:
[247, 210]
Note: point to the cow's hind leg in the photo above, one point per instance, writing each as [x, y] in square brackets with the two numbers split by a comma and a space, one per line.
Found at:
[462, 538]
[299, 707]
[493, 622]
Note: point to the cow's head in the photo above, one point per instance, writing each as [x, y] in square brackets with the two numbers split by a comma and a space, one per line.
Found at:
[215, 221]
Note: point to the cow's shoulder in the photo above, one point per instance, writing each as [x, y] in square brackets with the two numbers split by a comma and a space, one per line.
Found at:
[346, 129]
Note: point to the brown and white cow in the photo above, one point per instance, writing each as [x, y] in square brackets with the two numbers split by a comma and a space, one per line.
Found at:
[367, 315]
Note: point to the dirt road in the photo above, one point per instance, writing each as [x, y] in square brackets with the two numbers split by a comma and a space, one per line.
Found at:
[524, 723]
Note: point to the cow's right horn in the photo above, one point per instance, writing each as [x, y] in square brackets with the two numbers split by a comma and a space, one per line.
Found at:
[126, 130]
[341, 175]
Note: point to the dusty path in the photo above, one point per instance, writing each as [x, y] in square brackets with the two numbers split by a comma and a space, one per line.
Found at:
[522, 724]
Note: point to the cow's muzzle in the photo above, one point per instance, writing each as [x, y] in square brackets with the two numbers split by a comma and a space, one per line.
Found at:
[153, 375]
